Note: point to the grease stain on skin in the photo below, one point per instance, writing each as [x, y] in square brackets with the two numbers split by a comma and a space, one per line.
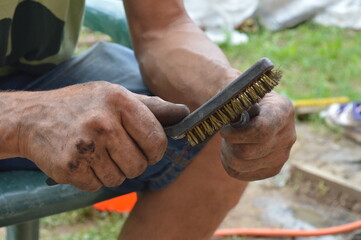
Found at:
[101, 131]
[85, 147]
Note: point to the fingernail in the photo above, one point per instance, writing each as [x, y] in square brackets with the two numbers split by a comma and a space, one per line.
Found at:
[242, 121]
[181, 105]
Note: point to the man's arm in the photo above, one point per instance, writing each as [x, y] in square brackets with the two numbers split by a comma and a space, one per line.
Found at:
[176, 58]
[180, 64]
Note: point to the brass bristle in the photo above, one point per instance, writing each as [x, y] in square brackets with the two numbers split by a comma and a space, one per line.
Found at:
[192, 138]
[207, 127]
[237, 105]
[233, 113]
[252, 94]
[214, 122]
[222, 116]
[232, 109]
[260, 89]
[246, 102]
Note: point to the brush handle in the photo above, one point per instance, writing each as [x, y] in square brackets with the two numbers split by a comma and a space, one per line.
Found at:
[178, 130]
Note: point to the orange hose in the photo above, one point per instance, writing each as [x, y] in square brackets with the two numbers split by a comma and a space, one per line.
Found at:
[274, 232]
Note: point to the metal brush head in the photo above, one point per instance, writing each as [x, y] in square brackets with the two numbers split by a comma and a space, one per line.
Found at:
[227, 105]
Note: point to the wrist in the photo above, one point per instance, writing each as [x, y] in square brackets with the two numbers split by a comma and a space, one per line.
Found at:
[10, 124]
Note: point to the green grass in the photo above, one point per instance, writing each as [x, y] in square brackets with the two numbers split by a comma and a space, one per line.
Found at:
[82, 224]
[316, 61]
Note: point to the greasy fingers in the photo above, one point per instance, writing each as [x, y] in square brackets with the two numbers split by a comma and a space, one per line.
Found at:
[127, 155]
[75, 171]
[93, 134]
[260, 149]
[259, 167]
[143, 127]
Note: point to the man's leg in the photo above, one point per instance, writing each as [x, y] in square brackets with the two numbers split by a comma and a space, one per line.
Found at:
[191, 207]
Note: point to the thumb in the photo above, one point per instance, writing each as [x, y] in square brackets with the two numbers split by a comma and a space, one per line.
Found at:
[167, 113]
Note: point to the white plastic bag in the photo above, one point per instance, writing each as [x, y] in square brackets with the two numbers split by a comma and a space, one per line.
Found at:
[218, 18]
[345, 14]
[276, 15]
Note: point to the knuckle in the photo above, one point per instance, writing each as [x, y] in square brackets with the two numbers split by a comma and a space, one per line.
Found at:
[243, 165]
[291, 110]
[284, 157]
[138, 169]
[98, 83]
[141, 167]
[292, 139]
[98, 86]
[159, 141]
[246, 152]
[252, 176]
[287, 107]
[157, 99]
[229, 166]
[248, 172]
[234, 174]
[242, 176]
[99, 123]
[89, 187]
[113, 180]
[115, 93]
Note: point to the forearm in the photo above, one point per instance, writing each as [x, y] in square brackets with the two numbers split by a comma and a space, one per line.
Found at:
[178, 62]
[146, 16]
[9, 124]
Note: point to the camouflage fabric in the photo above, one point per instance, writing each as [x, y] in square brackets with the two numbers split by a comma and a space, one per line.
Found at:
[36, 35]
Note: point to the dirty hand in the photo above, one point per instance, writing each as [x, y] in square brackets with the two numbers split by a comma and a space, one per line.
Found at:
[94, 134]
[260, 149]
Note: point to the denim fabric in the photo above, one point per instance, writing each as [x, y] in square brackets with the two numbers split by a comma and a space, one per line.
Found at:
[116, 64]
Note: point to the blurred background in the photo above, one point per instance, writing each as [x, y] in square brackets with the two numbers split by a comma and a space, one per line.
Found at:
[317, 46]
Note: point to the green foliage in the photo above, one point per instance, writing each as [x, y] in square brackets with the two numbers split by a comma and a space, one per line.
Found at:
[82, 224]
[69, 218]
[316, 61]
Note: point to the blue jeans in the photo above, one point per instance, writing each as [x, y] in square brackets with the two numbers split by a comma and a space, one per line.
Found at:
[115, 64]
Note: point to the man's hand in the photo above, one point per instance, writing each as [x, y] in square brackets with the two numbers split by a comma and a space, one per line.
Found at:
[94, 134]
[180, 64]
[260, 149]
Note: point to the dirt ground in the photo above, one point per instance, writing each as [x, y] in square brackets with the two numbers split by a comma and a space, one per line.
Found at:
[279, 203]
